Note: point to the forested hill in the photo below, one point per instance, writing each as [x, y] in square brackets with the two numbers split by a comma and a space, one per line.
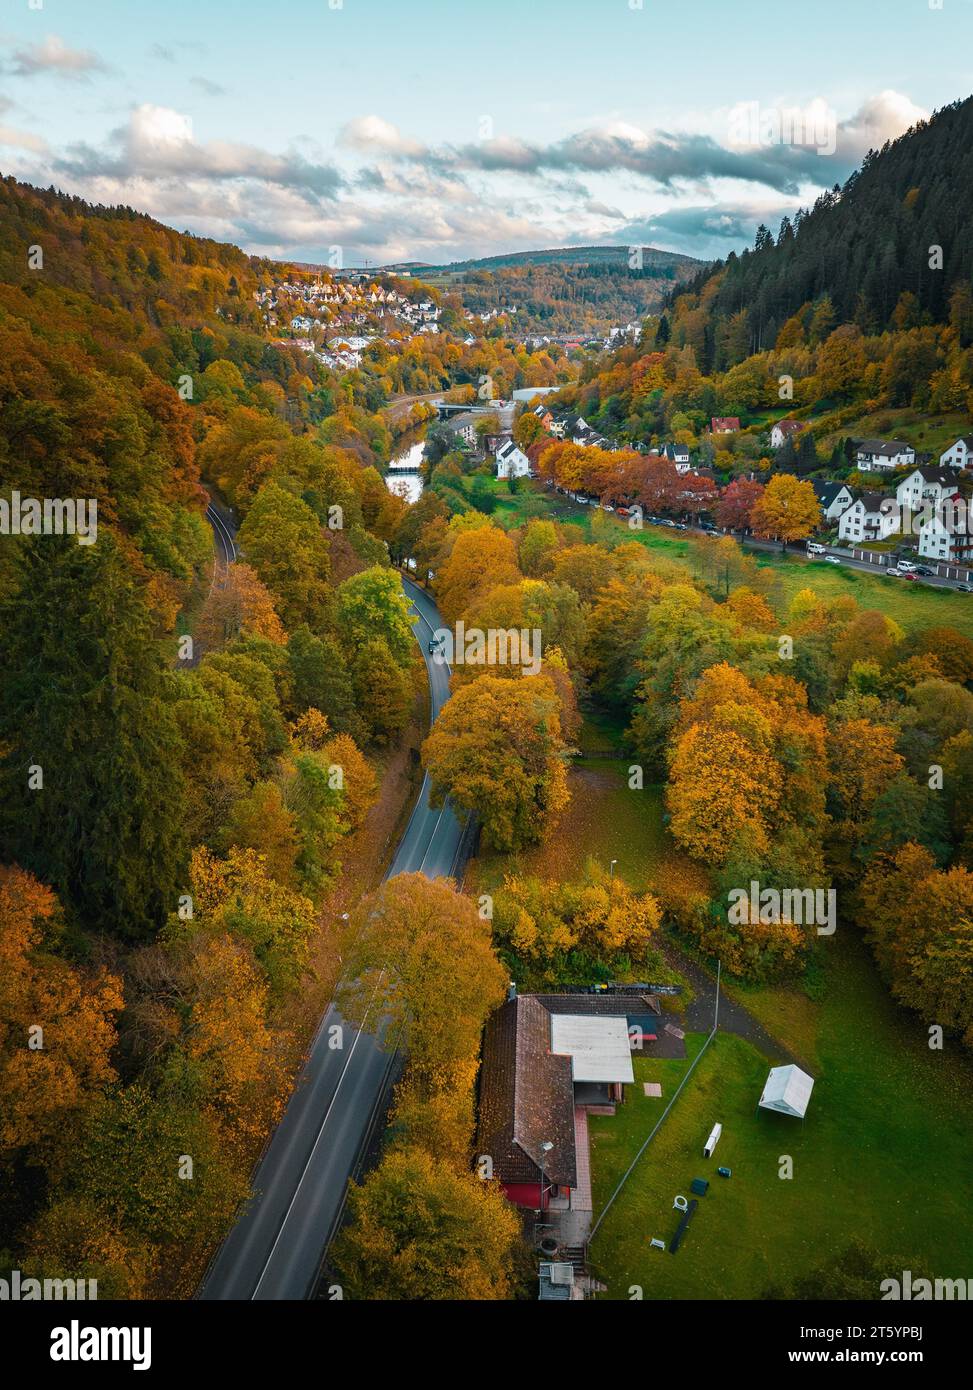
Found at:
[572, 290]
[122, 258]
[867, 245]
[615, 257]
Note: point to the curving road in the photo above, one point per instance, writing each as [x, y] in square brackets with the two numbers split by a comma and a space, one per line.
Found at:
[275, 1249]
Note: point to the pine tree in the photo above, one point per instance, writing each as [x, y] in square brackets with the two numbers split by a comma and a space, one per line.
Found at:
[89, 779]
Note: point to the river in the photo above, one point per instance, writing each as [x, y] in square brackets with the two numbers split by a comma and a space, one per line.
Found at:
[402, 476]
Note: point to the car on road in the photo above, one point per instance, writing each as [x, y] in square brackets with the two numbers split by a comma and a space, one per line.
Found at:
[924, 569]
[964, 588]
[832, 560]
[434, 645]
[894, 572]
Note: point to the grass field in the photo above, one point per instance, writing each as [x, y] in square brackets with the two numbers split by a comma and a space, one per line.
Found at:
[604, 820]
[883, 1155]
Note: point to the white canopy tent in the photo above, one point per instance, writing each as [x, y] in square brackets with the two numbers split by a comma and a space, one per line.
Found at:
[787, 1090]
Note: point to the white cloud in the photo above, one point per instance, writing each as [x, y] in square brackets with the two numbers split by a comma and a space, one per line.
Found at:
[373, 135]
[22, 140]
[882, 117]
[158, 143]
[395, 198]
[53, 55]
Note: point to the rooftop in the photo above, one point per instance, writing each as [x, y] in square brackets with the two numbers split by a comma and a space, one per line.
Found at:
[599, 1047]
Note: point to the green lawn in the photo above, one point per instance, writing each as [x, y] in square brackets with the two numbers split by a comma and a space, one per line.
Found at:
[883, 1155]
[604, 820]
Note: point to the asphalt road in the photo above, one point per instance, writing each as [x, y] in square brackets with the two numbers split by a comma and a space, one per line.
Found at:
[275, 1249]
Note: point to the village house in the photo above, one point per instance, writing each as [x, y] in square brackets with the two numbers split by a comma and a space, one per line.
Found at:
[725, 424]
[464, 427]
[833, 498]
[678, 455]
[958, 455]
[925, 485]
[511, 461]
[870, 518]
[945, 536]
[883, 455]
[782, 430]
[547, 1058]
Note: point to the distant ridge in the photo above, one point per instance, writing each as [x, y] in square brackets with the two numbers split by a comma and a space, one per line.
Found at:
[569, 255]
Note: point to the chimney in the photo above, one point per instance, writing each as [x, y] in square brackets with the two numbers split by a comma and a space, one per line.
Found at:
[512, 990]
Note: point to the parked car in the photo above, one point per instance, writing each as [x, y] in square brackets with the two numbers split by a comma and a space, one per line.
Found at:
[894, 572]
[832, 560]
[913, 577]
[965, 588]
[924, 569]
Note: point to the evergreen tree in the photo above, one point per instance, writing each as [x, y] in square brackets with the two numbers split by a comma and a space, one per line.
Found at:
[89, 779]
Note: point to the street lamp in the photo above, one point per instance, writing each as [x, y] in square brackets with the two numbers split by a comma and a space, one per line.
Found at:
[611, 868]
[546, 1148]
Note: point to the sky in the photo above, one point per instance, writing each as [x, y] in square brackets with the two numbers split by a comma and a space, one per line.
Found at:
[372, 131]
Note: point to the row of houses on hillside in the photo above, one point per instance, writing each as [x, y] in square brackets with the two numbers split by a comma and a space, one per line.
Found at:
[871, 455]
[887, 455]
[927, 494]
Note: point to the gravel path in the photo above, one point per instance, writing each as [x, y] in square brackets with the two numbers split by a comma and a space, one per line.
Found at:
[734, 1018]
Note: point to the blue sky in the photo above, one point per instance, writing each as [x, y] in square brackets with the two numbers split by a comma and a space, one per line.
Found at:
[440, 129]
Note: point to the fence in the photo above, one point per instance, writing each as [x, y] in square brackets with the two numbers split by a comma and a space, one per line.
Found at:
[885, 558]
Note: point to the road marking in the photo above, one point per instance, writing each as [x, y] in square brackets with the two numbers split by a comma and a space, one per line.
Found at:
[317, 1140]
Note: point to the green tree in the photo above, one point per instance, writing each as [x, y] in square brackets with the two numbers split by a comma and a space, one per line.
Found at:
[372, 604]
[90, 778]
[420, 1230]
[284, 542]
